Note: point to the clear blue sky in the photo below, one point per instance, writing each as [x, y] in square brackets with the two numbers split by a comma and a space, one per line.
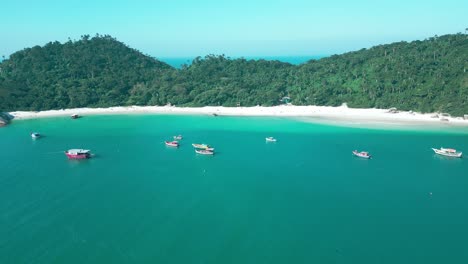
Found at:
[179, 28]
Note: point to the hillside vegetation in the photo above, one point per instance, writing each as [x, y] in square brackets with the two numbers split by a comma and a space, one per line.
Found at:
[425, 76]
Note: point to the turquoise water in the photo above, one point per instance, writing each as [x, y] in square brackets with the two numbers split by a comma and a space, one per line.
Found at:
[304, 199]
[296, 60]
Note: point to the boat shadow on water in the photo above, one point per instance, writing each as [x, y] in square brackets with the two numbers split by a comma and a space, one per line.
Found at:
[38, 138]
[173, 148]
[445, 158]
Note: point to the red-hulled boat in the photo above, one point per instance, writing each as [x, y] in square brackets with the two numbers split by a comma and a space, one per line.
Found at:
[78, 153]
[172, 143]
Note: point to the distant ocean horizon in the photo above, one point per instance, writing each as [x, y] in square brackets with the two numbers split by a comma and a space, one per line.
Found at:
[177, 62]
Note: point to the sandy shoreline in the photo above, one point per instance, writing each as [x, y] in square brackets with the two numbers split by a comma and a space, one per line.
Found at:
[336, 114]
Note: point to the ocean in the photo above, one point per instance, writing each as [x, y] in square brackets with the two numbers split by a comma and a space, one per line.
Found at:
[177, 62]
[303, 199]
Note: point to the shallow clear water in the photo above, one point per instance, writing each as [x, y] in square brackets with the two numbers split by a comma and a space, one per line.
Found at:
[303, 199]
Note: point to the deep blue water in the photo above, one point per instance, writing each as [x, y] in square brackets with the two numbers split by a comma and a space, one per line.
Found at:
[296, 60]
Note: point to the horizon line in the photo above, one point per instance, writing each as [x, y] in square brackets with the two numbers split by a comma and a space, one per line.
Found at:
[5, 57]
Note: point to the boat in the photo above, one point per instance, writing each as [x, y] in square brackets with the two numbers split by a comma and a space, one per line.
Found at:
[179, 137]
[448, 152]
[74, 116]
[172, 143]
[203, 147]
[270, 139]
[35, 135]
[78, 153]
[362, 154]
[204, 152]
[200, 146]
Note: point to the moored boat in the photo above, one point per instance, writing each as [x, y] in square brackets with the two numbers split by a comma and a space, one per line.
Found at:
[362, 154]
[179, 137]
[172, 143]
[270, 139]
[200, 146]
[204, 152]
[74, 116]
[78, 153]
[448, 152]
[35, 135]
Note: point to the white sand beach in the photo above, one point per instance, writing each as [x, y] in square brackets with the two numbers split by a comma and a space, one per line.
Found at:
[335, 114]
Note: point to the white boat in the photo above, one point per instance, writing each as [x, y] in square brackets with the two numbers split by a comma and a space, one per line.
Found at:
[200, 146]
[35, 135]
[179, 137]
[448, 152]
[270, 139]
[362, 154]
[204, 152]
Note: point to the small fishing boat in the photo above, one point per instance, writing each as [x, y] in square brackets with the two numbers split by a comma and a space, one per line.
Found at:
[204, 152]
[270, 139]
[78, 153]
[362, 154]
[172, 143]
[448, 152]
[35, 135]
[200, 146]
[74, 116]
[179, 137]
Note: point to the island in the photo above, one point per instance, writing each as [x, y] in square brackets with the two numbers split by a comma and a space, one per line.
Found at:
[97, 72]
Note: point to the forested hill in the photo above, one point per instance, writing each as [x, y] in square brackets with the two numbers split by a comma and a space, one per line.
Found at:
[98, 71]
[427, 76]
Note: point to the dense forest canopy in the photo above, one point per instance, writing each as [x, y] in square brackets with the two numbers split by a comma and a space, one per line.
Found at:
[426, 76]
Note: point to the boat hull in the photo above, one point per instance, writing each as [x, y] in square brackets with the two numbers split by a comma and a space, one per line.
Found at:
[357, 154]
[77, 156]
[447, 154]
[204, 152]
